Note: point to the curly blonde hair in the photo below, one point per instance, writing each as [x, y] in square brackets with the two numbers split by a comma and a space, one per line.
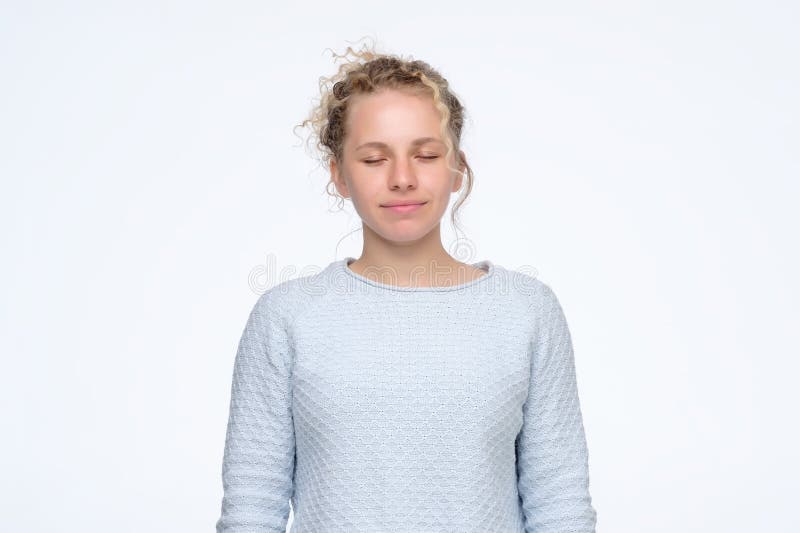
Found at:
[369, 72]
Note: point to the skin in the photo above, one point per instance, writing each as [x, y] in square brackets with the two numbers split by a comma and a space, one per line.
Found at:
[403, 248]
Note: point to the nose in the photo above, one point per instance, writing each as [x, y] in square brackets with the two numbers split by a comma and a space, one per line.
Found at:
[402, 176]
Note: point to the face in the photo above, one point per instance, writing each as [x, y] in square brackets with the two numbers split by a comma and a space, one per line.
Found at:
[394, 153]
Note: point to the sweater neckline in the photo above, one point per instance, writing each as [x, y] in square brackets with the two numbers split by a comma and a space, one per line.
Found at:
[486, 265]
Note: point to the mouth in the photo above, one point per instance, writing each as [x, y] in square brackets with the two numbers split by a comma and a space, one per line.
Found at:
[404, 208]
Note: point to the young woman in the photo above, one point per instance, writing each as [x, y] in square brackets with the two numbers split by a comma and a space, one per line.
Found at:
[404, 391]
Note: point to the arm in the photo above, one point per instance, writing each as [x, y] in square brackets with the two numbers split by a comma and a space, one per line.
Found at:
[552, 455]
[258, 461]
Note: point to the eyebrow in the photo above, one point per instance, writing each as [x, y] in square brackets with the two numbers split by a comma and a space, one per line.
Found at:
[415, 142]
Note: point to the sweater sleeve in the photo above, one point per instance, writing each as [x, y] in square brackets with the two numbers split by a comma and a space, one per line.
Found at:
[552, 455]
[259, 456]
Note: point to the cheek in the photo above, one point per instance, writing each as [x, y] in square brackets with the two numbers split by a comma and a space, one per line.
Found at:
[364, 194]
[443, 189]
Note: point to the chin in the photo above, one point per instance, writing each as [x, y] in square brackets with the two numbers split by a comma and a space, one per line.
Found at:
[397, 234]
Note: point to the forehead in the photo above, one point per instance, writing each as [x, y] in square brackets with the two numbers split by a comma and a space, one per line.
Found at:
[391, 116]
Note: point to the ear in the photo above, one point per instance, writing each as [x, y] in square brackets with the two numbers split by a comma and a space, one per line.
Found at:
[462, 167]
[338, 180]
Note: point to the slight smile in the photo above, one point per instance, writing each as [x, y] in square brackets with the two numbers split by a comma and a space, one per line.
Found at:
[406, 208]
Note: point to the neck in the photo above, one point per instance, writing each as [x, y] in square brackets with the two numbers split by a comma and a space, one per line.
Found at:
[423, 261]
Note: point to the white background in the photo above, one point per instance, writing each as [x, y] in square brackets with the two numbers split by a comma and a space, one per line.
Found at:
[642, 157]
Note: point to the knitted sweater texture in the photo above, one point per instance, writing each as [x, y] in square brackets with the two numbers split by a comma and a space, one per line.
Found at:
[379, 408]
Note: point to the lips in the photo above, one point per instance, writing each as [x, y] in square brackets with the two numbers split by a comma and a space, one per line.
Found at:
[395, 204]
[404, 207]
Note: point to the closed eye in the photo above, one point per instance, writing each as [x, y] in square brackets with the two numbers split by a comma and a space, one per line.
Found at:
[376, 161]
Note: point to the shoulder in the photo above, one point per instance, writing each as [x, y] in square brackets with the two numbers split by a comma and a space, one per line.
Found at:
[535, 296]
[526, 286]
[288, 299]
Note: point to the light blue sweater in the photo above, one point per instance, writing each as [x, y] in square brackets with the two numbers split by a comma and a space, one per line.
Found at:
[379, 408]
